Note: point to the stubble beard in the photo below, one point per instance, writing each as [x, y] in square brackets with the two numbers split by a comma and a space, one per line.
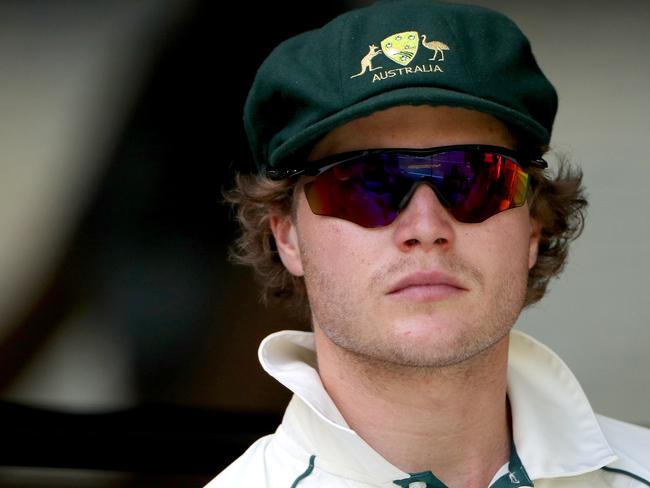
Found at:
[351, 322]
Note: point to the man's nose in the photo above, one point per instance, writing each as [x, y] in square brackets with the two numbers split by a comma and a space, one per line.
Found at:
[424, 223]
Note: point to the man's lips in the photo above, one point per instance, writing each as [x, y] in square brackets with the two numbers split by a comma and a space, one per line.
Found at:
[426, 286]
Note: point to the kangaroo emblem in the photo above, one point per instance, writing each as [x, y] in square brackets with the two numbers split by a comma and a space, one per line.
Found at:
[366, 62]
[436, 46]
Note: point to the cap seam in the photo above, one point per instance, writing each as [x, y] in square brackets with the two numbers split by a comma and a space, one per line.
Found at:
[342, 95]
[471, 79]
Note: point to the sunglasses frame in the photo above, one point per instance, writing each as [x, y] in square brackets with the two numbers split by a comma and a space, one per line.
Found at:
[315, 168]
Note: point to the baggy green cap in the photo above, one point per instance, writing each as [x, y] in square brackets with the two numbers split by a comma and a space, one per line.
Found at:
[395, 52]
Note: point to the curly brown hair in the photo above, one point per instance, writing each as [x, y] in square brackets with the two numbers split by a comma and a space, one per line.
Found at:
[557, 201]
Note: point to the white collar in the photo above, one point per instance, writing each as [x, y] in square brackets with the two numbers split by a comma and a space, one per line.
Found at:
[555, 430]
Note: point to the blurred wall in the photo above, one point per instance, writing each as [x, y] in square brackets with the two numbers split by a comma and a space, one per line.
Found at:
[596, 316]
[70, 73]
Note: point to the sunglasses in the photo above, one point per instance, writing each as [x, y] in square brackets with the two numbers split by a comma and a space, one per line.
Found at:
[370, 187]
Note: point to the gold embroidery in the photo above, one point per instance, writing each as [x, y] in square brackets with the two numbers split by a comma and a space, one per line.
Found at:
[437, 46]
[366, 62]
[401, 47]
[391, 73]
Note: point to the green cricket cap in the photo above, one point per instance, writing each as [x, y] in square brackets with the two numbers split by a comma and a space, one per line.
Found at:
[394, 52]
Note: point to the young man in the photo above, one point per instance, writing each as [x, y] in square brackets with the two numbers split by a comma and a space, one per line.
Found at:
[402, 200]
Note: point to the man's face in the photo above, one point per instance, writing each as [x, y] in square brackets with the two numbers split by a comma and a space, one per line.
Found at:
[425, 290]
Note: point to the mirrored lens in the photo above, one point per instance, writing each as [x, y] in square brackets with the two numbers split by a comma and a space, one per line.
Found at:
[371, 190]
[359, 192]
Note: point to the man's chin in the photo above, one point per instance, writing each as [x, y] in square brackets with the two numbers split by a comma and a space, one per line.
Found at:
[438, 344]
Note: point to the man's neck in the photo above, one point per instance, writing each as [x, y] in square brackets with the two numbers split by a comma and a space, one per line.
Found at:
[452, 421]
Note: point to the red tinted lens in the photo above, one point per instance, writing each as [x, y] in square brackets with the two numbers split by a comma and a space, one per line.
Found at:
[361, 193]
[498, 184]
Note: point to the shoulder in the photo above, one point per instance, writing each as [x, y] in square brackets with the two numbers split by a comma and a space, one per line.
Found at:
[266, 463]
[245, 468]
[631, 443]
[627, 439]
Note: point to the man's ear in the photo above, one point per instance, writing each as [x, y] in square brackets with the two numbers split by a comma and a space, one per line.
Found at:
[535, 236]
[286, 240]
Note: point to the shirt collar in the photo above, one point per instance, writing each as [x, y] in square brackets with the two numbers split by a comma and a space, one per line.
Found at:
[554, 427]
[555, 430]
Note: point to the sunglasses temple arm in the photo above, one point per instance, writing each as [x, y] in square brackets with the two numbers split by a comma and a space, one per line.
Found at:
[538, 163]
[280, 174]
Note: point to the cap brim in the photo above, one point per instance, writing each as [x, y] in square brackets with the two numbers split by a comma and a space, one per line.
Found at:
[405, 96]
